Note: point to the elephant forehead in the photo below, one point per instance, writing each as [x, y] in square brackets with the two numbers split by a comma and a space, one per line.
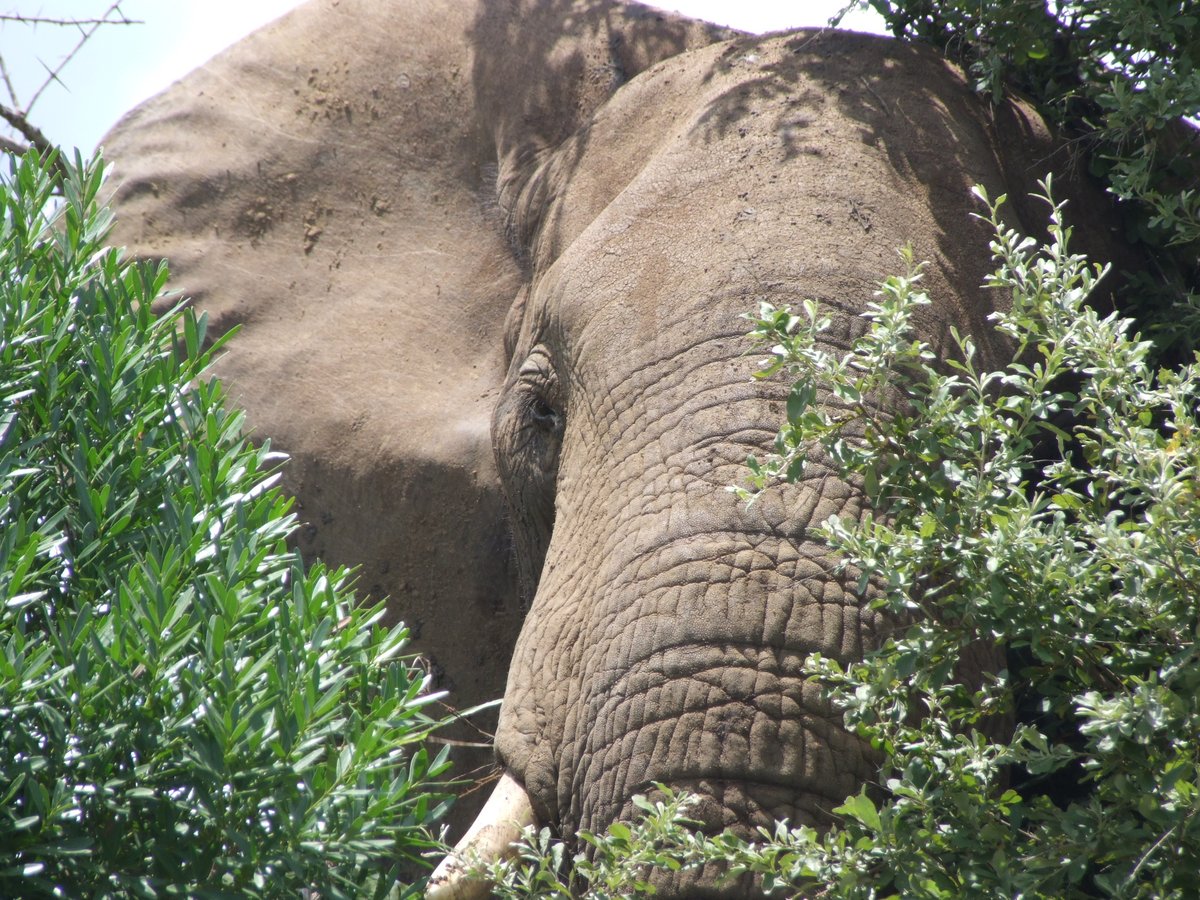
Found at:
[797, 163]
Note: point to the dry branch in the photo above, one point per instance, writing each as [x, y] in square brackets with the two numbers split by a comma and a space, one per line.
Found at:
[44, 20]
[33, 134]
[84, 37]
[18, 115]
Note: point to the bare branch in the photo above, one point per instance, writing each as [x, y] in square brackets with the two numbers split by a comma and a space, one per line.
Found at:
[33, 134]
[12, 91]
[18, 120]
[86, 34]
[43, 20]
[12, 147]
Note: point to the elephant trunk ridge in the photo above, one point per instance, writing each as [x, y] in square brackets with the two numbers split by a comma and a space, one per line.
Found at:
[489, 839]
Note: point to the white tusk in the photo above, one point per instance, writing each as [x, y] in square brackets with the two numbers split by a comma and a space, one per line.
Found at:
[489, 839]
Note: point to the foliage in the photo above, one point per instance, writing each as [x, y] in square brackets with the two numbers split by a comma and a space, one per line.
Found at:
[616, 864]
[185, 708]
[1120, 77]
[1083, 561]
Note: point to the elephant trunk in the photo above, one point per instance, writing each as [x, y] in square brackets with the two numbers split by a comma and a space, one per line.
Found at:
[488, 840]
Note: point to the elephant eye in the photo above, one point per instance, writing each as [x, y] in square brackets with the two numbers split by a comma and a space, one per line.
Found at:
[538, 389]
[546, 417]
[527, 430]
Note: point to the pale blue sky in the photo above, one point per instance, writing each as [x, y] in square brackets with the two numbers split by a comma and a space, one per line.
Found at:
[123, 65]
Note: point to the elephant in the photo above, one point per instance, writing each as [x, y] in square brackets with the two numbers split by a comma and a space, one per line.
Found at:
[490, 260]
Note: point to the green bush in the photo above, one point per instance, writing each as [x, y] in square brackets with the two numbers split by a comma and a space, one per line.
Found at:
[1051, 508]
[1119, 78]
[1083, 562]
[185, 708]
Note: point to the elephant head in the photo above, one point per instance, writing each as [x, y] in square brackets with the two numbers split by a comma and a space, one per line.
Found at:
[532, 228]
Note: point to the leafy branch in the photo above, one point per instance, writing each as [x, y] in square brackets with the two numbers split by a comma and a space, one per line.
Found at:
[1120, 79]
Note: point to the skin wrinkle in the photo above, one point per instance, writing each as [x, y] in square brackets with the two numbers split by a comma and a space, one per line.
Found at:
[675, 619]
[632, 519]
[634, 571]
[637, 465]
[783, 625]
[635, 392]
[637, 454]
[793, 737]
[654, 383]
[782, 768]
[719, 571]
[829, 492]
[771, 653]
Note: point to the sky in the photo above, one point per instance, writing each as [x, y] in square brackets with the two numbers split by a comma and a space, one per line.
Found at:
[125, 64]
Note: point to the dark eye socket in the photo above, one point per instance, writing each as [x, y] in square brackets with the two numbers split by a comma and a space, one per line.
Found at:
[545, 416]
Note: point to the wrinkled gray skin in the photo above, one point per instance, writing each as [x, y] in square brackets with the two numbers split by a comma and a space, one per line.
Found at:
[552, 216]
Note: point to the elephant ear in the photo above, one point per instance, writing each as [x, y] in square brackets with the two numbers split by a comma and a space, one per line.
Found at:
[329, 185]
[321, 185]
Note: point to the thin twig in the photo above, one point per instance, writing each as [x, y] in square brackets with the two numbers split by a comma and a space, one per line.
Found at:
[12, 91]
[43, 20]
[871, 90]
[84, 37]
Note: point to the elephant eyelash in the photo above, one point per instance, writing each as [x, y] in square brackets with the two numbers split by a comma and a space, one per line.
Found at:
[545, 416]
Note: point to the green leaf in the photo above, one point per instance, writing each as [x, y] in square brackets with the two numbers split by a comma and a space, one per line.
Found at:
[1067, 501]
[620, 831]
[148, 595]
[860, 808]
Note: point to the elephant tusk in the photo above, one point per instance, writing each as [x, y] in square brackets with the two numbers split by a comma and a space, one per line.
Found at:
[489, 839]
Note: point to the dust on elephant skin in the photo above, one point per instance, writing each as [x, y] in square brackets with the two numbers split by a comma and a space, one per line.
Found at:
[489, 262]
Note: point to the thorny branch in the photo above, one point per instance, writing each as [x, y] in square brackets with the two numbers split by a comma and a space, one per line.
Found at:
[10, 146]
[46, 20]
[27, 129]
[17, 115]
[37, 140]
[12, 91]
[112, 16]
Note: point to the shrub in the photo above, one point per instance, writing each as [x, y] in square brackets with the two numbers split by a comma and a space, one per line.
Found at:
[185, 708]
[1121, 79]
[1083, 562]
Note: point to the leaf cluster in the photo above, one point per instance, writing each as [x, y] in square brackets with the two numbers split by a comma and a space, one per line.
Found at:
[185, 707]
[1082, 563]
[611, 866]
[1121, 78]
